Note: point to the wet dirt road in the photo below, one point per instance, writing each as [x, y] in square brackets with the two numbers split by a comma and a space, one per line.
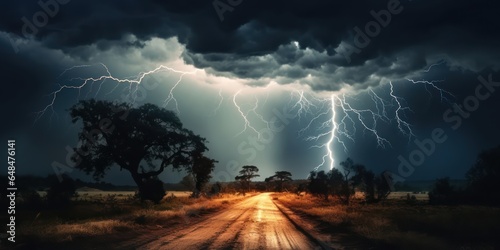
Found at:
[254, 223]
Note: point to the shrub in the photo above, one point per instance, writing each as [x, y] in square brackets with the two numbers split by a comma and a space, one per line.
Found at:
[60, 193]
[152, 189]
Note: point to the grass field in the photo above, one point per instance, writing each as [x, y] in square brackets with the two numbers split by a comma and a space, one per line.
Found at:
[105, 213]
[406, 225]
[422, 196]
[99, 194]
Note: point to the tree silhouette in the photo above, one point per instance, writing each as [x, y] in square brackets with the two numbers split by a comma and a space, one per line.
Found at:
[246, 175]
[348, 182]
[341, 183]
[318, 184]
[483, 178]
[143, 141]
[188, 182]
[60, 192]
[336, 185]
[383, 184]
[279, 178]
[201, 169]
[443, 193]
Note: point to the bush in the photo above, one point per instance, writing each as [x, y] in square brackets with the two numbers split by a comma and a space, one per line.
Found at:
[152, 189]
[443, 193]
[60, 193]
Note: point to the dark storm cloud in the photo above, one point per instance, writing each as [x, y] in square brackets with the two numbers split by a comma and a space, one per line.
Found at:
[255, 39]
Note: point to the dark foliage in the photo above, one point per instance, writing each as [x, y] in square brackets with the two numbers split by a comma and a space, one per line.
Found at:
[246, 175]
[279, 178]
[201, 170]
[342, 183]
[152, 190]
[443, 193]
[60, 193]
[484, 178]
[143, 140]
[482, 183]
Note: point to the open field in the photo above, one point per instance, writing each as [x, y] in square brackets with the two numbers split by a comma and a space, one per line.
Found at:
[421, 196]
[110, 216]
[99, 194]
[406, 225]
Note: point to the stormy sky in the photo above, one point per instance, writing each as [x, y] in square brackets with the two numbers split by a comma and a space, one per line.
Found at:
[258, 80]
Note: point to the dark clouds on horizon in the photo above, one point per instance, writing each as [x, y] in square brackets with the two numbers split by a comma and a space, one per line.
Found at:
[256, 41]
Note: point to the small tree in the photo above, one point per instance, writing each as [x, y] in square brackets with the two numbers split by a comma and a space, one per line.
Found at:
[382, 186]
[443, 192]
[483, 178]
[216, 189]
[318, 184]
[336, 182]
[348, 182]
[246, 175]
[201, 170]
[188, 182]
[280, 178]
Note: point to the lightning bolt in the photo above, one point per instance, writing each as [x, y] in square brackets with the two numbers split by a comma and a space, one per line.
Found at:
[403, 126]
[337, 117]
[329, 144]
[171, 96]
[135, 80]
[432, 83]
[346, 107]
[303, 104]
[214, 113]
[247, 125]
[337, 120]
[433, 65]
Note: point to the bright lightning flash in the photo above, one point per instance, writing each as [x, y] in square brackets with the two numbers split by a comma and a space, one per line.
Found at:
[341, 120]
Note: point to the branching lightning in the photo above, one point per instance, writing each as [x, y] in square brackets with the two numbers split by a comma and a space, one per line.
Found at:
[443, 93]
[331, 137]
[403, 126]
[333, 120]
[135, 80]
[221, 100]
[244, 115]
[303, 104]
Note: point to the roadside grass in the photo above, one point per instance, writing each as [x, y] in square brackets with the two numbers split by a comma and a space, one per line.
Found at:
[110, 216]
[406, 225]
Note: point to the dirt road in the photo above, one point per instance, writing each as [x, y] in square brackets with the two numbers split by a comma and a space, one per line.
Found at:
[255, 223]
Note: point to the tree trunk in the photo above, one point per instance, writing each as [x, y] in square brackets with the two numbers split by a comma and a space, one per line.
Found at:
[140, 183]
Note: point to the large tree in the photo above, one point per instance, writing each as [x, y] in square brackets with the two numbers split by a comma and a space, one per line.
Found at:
[246, 175]
[143, 141]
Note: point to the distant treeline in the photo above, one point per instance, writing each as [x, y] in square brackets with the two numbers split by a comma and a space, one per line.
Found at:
[40, 183]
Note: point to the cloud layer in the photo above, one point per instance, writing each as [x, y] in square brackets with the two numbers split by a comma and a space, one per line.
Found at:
[283, 41]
